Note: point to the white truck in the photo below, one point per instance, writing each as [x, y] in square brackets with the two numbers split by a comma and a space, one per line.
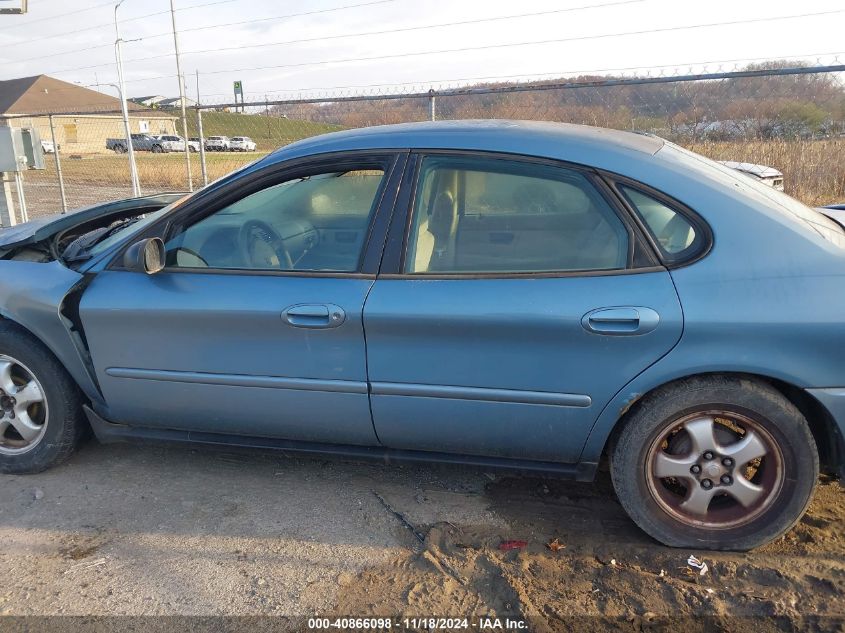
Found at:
[217, 144]
[171, 143]
[242, 144]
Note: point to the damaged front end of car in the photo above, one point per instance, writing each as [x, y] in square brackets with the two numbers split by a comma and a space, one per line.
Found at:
[65, 237]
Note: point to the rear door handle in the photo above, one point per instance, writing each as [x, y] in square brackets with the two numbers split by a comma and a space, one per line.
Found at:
[314, 315]
[621, 321]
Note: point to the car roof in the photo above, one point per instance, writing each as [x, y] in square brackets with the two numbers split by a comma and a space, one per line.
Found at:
[553, 140]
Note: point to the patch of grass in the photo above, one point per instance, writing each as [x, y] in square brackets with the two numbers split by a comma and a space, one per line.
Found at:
[155, 171]
[268, 132]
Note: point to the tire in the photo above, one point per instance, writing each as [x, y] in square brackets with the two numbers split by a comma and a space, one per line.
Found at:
[59, 412]
[156, 149]
[119, 149]
[665, 438]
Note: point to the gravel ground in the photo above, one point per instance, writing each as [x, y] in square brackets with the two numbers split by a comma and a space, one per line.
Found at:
[141, 530]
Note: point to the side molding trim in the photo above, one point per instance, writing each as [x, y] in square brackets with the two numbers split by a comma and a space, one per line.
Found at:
[482, 394]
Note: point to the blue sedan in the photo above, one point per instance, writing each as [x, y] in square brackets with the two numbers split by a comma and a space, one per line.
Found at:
[531, 296]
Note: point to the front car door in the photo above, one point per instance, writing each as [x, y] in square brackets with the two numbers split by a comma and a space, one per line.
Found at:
[515, 299]
[254, 327]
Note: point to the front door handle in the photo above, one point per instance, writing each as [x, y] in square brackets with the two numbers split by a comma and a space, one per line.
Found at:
[621, 321]
[314, 315]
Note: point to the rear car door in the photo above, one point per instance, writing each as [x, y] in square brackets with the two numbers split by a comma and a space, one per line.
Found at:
[516, 297]
[254, 327]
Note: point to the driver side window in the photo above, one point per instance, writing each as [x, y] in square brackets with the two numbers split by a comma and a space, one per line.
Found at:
[317, 222]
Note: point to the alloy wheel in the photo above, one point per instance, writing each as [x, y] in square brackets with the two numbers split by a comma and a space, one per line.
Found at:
[714, 469]
[23, 408]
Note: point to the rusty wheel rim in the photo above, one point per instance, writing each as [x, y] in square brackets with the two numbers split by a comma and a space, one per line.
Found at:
[714, 469]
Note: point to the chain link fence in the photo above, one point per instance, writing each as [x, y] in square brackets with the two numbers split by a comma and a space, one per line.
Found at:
[779, 115]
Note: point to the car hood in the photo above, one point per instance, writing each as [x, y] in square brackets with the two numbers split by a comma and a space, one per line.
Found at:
[46, 227]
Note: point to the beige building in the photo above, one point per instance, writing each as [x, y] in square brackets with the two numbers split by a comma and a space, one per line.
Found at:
[82, 119]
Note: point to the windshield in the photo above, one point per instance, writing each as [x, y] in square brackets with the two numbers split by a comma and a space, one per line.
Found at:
[789, 207]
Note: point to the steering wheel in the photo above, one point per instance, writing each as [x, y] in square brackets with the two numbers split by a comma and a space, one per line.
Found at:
[188, 258]
[262, 247]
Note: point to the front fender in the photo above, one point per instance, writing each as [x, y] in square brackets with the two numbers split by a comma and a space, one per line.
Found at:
[32, 295]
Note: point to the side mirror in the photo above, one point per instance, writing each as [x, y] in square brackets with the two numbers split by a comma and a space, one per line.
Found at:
[145, 256]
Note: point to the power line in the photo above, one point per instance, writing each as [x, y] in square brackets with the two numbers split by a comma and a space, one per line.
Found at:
[371, 33]
[109, 24]
[407, 29]
[513, 44]
[494, 78]
[488, 46]
[58, 15]
[198, 28]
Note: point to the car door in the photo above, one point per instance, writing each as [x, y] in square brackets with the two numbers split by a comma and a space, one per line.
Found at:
[515, 299]
[254, 327]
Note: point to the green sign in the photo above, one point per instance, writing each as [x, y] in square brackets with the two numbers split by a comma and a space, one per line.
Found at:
[239, 88]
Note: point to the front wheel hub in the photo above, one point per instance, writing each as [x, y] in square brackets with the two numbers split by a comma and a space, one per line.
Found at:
[23, 408]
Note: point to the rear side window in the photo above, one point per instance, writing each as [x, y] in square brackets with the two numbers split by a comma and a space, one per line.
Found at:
[486, 215]
[674, 233]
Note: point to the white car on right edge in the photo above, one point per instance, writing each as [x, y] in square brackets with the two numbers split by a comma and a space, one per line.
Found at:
[242, 144]
[767, 175]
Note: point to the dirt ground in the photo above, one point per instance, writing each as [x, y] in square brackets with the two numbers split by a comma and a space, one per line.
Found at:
[134, 530]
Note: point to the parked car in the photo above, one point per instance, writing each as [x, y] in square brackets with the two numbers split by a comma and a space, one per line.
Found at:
[217, 144]
[47, 147]
[242, 144]
[171, 143]
[767, 175]
[194, 144]
[140, 143]
[535, 296]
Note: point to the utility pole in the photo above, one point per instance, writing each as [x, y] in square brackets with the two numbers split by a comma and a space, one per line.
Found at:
[203, 166]
[180, 78]
[133, 168]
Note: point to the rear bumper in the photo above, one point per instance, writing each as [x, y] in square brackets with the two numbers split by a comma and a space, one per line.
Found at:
[833, 399]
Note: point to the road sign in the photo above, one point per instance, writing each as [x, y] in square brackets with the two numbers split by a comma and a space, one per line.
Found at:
[239, 89]
[12, 7]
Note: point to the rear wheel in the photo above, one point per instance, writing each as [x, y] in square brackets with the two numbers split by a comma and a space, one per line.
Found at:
[40, 406]
[716, 462]
[119, 149]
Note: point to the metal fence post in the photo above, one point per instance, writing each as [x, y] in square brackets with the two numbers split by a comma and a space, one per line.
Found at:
[21, 197]
[432, 104]
[202, 148]
[7, 205]
[58, 164]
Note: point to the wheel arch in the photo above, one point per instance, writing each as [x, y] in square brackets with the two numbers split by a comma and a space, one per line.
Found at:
[826, 433]
[41, 300]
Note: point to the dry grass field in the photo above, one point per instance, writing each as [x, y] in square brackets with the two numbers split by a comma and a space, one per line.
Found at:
[814, 171]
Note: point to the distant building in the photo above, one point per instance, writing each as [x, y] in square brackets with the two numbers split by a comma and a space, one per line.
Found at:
[150, 101]
[174, 103]
[82, 118]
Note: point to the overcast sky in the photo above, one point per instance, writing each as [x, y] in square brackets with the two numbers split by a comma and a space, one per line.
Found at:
[387, 47]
